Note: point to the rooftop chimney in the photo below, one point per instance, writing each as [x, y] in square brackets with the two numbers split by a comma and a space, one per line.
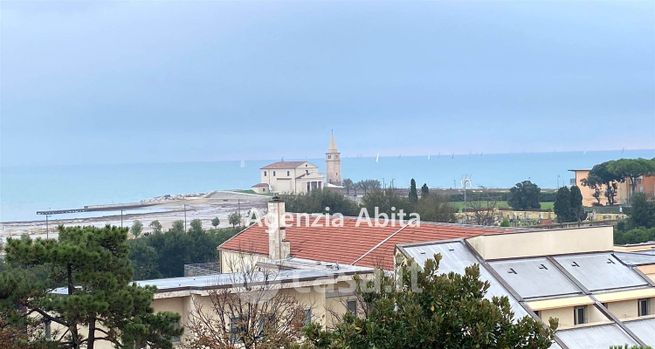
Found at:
[278, 247]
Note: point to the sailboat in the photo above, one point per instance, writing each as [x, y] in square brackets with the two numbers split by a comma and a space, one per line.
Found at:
[377, 158]
[243, 163]
[429, 157]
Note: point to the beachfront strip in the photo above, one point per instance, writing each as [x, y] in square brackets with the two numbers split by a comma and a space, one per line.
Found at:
[602, 294]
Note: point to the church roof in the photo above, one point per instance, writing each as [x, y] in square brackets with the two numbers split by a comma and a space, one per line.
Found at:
[283, 165]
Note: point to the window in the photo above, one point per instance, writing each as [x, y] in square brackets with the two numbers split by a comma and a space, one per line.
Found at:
[580, 315]
[329, 156]
[306, 171]
[288, 173]
[273, 173]
[644, 307]
[308, 316]
[351, 306]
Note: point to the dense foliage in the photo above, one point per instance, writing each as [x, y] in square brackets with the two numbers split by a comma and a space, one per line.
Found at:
[95, 300]
[568, 205]
[640, 225]
[317, 200]
[164, 254]
[604, 177]
[450, 311]
[524, 196]
[431, 207]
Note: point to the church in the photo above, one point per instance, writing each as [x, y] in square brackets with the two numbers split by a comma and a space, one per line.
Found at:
[300, 177]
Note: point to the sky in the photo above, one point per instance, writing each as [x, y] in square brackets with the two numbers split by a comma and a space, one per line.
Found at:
[172, 81]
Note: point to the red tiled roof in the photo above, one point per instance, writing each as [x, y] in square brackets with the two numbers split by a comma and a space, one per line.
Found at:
[260, 185]
[359, 245]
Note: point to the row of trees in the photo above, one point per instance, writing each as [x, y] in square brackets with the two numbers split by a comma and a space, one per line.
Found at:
[164, 254]
[603, 178]
[431, 207]
[363, 186]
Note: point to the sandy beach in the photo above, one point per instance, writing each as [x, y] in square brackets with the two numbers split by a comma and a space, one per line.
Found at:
[164, 209]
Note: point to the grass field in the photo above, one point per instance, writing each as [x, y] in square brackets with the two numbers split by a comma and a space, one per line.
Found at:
[545, 205]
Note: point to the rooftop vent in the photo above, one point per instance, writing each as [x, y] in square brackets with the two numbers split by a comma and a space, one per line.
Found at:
[512, 271]
[543, 267]
[610, 261]
[575, 264]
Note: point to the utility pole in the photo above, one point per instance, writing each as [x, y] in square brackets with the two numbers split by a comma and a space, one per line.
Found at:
[121, 218]
[47, 230]
[184, 217]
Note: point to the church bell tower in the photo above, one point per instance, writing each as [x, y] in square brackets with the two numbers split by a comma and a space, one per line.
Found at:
[333, 162]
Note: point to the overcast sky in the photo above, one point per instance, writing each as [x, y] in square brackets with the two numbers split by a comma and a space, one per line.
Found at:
[154, 81]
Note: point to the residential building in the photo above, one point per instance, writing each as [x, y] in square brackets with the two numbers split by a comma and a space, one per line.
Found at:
[645, 184]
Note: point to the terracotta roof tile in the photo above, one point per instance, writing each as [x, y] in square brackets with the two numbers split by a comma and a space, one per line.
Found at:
[351, 244]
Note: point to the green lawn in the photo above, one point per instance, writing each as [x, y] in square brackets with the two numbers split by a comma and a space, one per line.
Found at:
[545, 205]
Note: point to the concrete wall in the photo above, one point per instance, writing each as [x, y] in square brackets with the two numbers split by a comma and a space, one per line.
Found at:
[566, 319]
[232, 261]
[541, 243]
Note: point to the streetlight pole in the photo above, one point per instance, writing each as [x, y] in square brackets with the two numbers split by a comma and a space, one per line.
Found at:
[47, 228]
[185, 217]
[121, 218]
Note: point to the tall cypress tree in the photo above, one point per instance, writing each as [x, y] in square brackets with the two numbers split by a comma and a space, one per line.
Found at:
[562, 206]
[413, 194]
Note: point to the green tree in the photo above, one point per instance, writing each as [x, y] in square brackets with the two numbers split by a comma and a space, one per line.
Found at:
[216, 222]
[413, 194]
[97, 302]
[425, 191]
[524, 196]
[601, 176]
[368, 185]
[145, 260]
[178, 226]
[577, 210]
[423, 308]
[562, 206]
[316, 201]
[234, 219]
[642, 211]
[196, 227]
[348, 185]
[631, 169]
[137, 228]
[156, 226]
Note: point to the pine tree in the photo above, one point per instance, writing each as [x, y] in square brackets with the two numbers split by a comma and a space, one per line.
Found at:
[413, 194]
[97, 301]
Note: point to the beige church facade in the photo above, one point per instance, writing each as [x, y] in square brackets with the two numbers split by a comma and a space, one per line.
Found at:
[300, 177]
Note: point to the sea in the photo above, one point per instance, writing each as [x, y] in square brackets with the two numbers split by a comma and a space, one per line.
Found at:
[27, 189]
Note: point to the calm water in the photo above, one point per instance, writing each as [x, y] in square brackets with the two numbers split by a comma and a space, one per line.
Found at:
[24, 190]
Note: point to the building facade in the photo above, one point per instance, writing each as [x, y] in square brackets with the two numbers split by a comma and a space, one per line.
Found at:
[645, 184]
[291, 177]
